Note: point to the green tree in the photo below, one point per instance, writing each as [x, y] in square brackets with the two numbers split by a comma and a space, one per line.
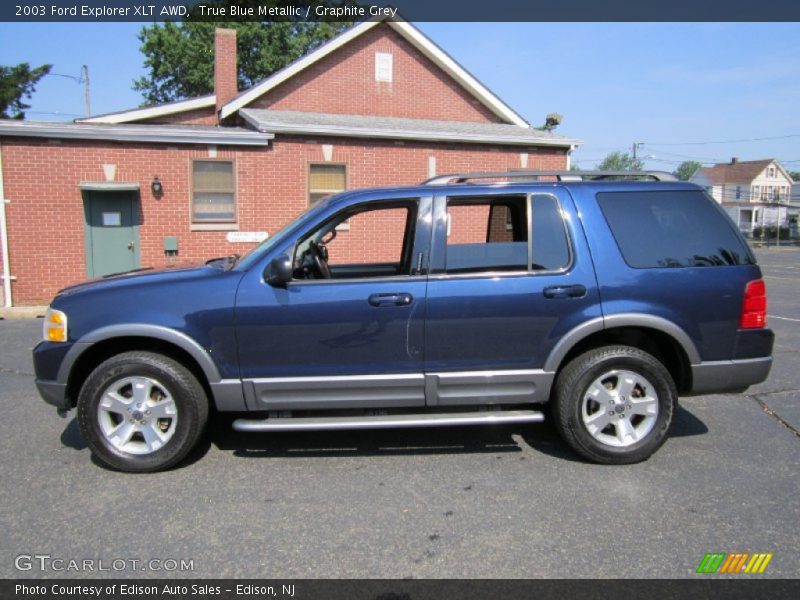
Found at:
[686, 169]
[16, 83]
[620, 161]
[795, 175]
[179, 57]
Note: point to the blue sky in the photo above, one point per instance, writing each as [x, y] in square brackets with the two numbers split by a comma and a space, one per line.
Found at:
[672, 86]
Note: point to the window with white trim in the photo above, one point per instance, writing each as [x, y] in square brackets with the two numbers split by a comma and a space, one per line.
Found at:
[213, 191]
[325, 180]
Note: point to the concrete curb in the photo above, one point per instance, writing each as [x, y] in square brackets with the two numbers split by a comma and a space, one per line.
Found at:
[22, 312]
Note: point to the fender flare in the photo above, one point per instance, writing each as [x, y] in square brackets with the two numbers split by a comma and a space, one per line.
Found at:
[159, 332]
[587, 328]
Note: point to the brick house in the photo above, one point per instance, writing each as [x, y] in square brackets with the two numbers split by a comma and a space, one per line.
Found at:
[380, 104]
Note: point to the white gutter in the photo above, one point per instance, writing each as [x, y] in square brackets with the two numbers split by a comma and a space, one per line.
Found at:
[163, 134]
[4, 235]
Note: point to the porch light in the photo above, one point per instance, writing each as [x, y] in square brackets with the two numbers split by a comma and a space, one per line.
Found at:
[156, 187]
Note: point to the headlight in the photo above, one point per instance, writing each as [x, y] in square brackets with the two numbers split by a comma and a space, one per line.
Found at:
[55, 326]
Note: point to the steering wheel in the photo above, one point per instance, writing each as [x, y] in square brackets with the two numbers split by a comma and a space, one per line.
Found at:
[319, 254]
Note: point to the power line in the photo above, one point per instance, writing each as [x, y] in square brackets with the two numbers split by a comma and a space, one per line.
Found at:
[59, 114]
[762, 139]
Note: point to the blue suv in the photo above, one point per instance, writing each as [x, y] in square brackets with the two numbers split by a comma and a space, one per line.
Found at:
[470, 299]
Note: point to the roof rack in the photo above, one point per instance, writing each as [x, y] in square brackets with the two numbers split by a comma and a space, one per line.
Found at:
[559, 175]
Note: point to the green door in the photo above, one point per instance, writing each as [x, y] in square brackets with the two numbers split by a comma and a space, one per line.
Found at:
[112, 232]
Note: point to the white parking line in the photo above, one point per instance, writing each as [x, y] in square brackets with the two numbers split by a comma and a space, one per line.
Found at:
[783, 318]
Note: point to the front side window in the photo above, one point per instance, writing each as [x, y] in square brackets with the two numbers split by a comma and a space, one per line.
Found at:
[213, 191]
[380, 244]
[325, 180]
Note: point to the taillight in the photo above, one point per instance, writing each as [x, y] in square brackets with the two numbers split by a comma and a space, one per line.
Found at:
[754, 306]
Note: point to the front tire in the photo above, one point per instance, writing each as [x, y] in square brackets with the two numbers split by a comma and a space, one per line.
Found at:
[615, 404]
[141, 412]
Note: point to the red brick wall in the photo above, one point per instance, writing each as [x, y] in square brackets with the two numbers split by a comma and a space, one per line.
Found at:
[200, 116]
[344, 83]
[46, 220]
[225, 74]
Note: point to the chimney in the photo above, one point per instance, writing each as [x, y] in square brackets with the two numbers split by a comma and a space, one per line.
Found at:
[734, 160]
[225, 73]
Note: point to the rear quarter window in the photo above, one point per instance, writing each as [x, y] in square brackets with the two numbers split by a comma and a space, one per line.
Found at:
[672, 229]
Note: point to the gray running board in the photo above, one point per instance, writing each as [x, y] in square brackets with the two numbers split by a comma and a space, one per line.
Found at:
[495, 417]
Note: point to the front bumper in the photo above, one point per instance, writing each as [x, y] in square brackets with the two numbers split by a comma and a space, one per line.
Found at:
[725, 376]
[54, 393]
[51, 380]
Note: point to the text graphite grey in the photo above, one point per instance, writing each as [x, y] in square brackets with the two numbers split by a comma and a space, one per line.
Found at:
[181, 10]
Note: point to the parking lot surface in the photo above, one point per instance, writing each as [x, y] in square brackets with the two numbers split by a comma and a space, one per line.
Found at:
[467, 502]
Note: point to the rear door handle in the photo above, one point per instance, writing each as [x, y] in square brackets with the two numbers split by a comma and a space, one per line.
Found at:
[391, 299]
[564, 291]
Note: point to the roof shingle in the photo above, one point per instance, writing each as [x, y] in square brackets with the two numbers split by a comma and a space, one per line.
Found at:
[288, 121]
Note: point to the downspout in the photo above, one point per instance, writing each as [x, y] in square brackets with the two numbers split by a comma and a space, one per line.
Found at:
[569, 157]
[4, 235]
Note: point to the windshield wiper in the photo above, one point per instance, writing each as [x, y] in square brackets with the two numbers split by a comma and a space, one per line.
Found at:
[231, 259]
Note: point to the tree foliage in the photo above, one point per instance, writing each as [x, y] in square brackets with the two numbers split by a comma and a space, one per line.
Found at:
[686, 169]
[795, 175]
[18, 83]
[621, 161]
[179, 57]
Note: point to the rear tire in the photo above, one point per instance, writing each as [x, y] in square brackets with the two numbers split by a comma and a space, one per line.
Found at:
[142, 412]
[615, 404]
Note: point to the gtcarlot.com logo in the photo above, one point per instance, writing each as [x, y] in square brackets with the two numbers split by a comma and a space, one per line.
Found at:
[47, 562]
[734, 563]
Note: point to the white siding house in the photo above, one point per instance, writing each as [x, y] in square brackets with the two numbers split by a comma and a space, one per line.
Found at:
[756, 193]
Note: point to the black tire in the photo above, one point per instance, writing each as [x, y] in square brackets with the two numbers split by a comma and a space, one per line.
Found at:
[572, 385]
[190, 402]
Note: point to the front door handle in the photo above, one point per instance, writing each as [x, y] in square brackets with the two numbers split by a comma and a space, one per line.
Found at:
[391, 299]
[564, 291]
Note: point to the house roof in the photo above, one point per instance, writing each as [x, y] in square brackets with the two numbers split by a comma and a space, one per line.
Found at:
[739, 171]
[415, 37]
[153, 111]
[287, 121]
[173, 134]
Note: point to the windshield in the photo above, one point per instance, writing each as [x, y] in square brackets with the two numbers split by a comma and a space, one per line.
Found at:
[252, 257]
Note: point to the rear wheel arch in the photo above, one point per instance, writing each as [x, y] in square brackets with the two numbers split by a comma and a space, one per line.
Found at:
[668, 343]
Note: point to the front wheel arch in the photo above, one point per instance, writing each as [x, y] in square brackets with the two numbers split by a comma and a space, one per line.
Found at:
[101, 351]
[152, 401]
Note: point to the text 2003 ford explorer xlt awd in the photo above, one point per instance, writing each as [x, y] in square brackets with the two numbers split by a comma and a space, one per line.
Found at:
[462, 301]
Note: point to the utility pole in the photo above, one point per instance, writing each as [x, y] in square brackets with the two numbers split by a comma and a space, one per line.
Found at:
[636, 146]
[83, 79]
[86, 96]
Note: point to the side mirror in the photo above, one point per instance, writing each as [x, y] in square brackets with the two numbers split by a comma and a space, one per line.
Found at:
[279, 271]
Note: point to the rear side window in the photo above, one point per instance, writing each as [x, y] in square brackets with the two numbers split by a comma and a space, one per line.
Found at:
[485, 235]
[550, 247]
[671, 229]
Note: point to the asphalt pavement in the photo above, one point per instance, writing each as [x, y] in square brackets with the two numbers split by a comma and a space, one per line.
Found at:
[506, 502]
